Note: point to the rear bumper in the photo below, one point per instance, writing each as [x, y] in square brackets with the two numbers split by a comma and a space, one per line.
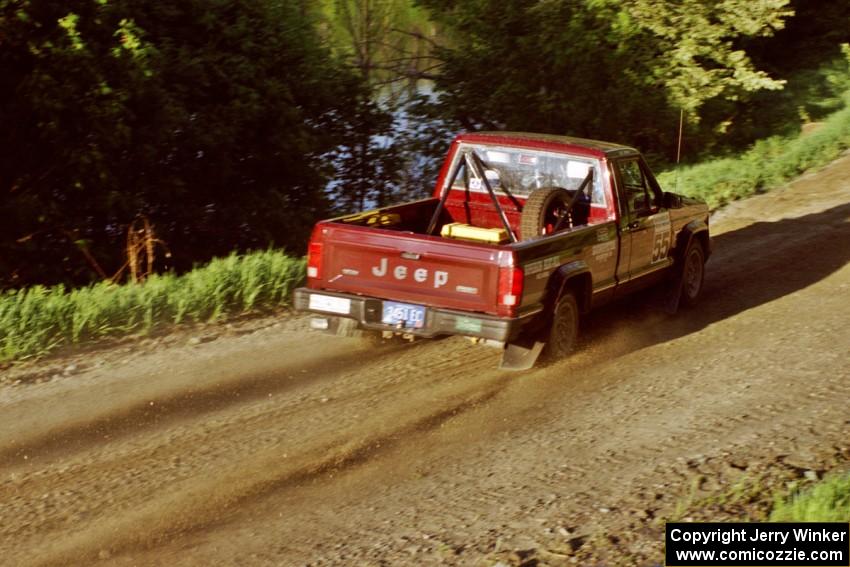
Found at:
[367, 311]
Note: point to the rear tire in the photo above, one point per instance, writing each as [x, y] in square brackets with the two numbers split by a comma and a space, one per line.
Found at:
[563, 333]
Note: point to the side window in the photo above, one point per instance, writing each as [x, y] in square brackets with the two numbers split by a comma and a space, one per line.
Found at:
[640, 194]
[652, 187]
[635, 193]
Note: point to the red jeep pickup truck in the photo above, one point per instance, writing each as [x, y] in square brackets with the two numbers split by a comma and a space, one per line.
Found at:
[524, 233]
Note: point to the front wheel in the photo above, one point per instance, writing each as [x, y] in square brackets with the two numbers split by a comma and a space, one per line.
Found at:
[693, 274]
[563, 333]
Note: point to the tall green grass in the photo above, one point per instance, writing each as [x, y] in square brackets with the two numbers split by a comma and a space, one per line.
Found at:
[768, 164]
[827, 501]
[35, 320]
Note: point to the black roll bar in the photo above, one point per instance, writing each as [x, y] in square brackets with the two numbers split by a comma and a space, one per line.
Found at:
[443, 196]
[574, 200]
[474, 163]
[478, 165]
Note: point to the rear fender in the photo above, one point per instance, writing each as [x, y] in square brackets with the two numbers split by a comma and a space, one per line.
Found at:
[523, 351]
[575, 276]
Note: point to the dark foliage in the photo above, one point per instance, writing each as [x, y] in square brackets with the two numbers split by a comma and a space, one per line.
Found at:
[624, 70]
[229, 125]
[211, 118]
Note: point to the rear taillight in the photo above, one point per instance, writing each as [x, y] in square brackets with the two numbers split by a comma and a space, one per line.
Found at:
[314, 254]
[510, 289]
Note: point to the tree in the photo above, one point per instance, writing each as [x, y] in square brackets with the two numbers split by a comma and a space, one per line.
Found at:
[388, 42]
[212, 118]
[694, 56]
[599, 68]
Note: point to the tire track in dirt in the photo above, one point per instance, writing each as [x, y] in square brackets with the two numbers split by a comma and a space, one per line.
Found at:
[234, 418]
[162, 411]
[199, 506]
[109, 474]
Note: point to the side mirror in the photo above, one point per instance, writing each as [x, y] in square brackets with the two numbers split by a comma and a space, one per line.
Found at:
[672, 201]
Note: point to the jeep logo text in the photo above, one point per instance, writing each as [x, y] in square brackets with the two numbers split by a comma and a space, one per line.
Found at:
[402, 272]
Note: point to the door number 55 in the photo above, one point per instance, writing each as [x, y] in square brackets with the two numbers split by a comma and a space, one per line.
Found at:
[661, 246]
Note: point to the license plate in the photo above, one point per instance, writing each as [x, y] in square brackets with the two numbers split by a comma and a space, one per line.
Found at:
[330, 303]
[403, 315]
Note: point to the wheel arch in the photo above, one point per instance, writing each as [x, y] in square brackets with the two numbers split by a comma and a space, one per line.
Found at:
[575, 277]
[694, 230]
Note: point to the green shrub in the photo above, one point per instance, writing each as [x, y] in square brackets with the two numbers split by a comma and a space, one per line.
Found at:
[827, 501]
[767, 164]
[35, 320]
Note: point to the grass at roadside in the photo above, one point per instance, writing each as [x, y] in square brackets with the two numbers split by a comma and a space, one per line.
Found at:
[35, 320]
[773, 495]
[827, 501]
[768, 164]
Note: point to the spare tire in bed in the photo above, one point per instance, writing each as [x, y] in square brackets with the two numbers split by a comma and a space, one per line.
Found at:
[542, 210]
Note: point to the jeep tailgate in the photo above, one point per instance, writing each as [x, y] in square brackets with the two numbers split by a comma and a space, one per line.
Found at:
[407, 267]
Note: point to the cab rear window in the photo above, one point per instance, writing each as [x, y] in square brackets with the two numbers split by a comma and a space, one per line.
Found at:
[521, 171]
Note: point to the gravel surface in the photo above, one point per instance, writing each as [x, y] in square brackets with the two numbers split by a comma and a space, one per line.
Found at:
[262, 443]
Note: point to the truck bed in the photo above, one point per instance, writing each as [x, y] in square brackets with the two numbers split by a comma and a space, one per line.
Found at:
[398, 261]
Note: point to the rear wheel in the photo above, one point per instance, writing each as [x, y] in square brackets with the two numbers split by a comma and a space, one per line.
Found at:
[563, 333]
[693, 273]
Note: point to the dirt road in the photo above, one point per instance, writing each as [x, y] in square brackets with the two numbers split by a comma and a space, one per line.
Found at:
[261, 443]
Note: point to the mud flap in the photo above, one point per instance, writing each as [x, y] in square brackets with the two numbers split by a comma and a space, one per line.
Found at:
[339, 326]
[673, 295]
[520, 356]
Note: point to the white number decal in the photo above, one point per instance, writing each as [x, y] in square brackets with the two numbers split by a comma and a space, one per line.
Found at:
[661, 245]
